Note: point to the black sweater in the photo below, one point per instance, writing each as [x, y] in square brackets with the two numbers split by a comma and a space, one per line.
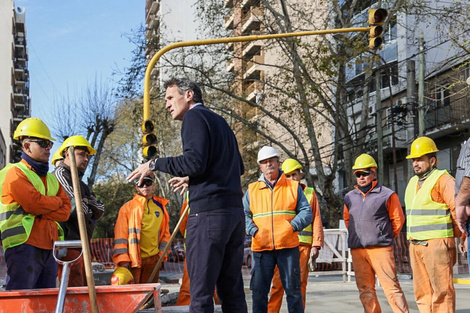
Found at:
[211, 160]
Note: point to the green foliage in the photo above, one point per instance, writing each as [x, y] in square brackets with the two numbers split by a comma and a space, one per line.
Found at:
[114, 194]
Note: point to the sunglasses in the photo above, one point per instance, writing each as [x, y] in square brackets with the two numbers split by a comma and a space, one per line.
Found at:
[43, 143]
[147, 183]
[365, 174]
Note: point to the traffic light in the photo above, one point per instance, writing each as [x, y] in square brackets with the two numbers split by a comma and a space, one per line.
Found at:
[149, 139]
[376, 20]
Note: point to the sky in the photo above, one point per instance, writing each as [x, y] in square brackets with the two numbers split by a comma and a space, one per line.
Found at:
[72, 41]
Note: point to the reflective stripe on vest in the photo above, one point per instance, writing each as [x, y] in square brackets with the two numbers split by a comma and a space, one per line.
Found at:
[272, 210]
[15, 223]
[425, 218]
[306, 234]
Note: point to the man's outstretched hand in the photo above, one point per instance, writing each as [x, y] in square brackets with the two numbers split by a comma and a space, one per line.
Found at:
[139, 173]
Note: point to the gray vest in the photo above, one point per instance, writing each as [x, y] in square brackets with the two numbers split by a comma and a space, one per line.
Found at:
[369, 222]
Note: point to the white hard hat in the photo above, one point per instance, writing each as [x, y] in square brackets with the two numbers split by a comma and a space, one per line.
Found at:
[267, 152]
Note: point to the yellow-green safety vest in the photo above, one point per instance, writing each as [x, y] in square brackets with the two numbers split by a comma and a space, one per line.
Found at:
[15, 223]
[425, 218]
[306, 234]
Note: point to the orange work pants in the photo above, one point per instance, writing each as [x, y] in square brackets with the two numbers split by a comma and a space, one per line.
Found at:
[142, 274]
[378, 261]
[432, 275]
[277, 290]
[183, 297]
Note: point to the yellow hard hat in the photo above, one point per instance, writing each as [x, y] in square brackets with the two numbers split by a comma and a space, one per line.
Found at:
[32, 127]
[364, 161]
[77, 141]
[290, 165]
[421, 146]
[57, 156]
[122, 276]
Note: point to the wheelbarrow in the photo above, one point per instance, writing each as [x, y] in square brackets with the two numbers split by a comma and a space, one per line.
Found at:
[59, 251]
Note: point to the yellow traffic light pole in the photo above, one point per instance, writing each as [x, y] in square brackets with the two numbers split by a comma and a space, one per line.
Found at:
[214, 41]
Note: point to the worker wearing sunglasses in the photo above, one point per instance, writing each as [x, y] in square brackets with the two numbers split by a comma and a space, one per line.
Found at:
[141, 232]
[33, 202]
[373, 216]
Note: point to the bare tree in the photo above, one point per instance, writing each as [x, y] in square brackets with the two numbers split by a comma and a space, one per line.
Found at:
[307, 95]
[89, 113]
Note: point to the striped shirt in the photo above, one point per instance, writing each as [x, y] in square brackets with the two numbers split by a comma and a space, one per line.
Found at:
[463, 165]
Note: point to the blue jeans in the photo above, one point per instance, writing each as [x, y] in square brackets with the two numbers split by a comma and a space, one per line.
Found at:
[287, 260]
[214, 256]
[29, 267]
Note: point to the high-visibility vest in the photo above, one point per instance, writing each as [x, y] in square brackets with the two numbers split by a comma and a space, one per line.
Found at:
[15, 223]
[306, 234]
[425, 218]
[273, 210]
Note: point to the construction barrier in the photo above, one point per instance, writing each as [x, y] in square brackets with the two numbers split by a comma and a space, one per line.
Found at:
[334, 257]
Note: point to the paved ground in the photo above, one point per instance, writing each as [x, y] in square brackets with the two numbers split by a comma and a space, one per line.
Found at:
[329, 294]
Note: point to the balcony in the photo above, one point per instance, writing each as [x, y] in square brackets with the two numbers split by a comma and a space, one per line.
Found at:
[20, 63]
[17, 118]
[150, 34]
[20, 50]
[18, 101]
[251, 48]
[445, 118]
[252, 20]
[154, 7]
[228, 22]
[155, 24]
[230, 66]
[253, 67]
[21, 76]
[250, 91]
[228, 4]
[247, 3]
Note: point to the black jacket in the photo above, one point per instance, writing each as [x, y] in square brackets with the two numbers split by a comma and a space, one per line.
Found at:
[210, 158]
[93, 210]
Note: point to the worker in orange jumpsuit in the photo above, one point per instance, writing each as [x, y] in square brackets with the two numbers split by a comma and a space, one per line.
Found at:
[184, 297]
[374, 216]
[33, 202]
[431, 228]
[141, 232]
[310, 239]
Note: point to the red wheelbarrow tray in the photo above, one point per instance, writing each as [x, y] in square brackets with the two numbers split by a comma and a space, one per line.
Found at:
[111, 299]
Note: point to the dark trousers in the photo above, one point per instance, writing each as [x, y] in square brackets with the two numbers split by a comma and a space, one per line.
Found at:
[287, 260]
[29, 267]
[214, 243]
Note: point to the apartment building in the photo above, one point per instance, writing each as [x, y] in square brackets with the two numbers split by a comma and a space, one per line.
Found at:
[441, 106]
[167, 22]
[258, 68]
[14, 79]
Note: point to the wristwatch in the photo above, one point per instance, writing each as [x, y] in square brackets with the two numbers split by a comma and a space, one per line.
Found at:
[153, 165]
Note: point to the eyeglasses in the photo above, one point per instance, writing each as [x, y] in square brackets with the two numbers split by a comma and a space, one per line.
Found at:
[147, 183]
[365, 174]
[43, 143]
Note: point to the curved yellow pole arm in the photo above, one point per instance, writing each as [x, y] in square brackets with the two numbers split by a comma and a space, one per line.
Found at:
[153, 61]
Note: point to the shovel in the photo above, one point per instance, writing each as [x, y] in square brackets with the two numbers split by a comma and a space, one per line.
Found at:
[58, 254]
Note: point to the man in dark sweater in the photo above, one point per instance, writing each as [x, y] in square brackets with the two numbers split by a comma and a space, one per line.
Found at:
[213, 165]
